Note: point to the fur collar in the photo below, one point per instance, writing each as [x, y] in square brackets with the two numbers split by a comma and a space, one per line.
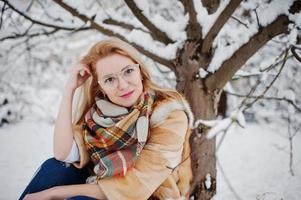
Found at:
[164, 108]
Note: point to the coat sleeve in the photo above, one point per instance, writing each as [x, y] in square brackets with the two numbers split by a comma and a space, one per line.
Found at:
[162, 152]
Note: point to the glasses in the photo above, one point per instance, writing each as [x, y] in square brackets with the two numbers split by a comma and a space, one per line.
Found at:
[129, 73]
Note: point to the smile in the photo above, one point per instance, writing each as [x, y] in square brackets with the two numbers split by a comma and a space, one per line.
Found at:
[127, 94]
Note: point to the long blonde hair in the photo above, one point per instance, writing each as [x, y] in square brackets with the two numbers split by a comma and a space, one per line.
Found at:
[91, 88]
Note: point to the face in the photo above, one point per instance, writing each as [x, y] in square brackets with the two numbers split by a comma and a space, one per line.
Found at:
[120, 79]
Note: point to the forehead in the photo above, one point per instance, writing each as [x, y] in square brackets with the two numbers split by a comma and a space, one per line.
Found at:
[112, 63]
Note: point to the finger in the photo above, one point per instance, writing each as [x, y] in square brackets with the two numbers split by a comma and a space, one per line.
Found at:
[84, 67]
[84, 71]
[88, 70]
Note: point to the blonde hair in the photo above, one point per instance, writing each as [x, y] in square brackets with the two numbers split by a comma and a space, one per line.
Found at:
[91, 88]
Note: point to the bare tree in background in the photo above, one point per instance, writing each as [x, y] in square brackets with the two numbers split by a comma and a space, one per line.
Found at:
[191, 64]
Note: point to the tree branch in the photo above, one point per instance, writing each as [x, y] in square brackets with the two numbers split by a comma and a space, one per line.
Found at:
[238, 59]
[32, 35]
[289, 101]
[36, 21]
[2, 12]
[155, 32]
[219, 23]
[124, 25]
[293, 50]
[194, 29]
[211, 5]
[108, 32]
[239, 21]
[15, 36]
[272, 82]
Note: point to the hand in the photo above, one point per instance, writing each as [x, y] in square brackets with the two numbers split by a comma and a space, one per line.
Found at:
[79, 74]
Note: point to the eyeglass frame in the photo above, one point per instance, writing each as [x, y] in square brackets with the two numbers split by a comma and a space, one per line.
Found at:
[137, 65]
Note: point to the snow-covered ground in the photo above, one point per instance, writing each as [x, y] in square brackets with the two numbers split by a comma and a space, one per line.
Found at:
[23, 147]
[255, 160]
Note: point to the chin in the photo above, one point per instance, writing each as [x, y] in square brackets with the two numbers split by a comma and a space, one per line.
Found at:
[127, 102]
[124, 102]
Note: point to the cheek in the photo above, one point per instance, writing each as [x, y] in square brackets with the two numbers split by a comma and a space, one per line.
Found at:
[139, 86]
[110, 94]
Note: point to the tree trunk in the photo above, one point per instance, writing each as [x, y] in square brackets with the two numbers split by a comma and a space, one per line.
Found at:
[203, 150]
[204, 105]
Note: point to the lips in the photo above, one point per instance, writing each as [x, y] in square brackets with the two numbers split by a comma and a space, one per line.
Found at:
[127, 94]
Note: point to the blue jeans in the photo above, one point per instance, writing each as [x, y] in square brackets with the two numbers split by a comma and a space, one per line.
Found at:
[55, 173]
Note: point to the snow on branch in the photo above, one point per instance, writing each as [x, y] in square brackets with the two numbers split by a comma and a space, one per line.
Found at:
[122, 24]
[206, 19]
[219, 23]
[222, 125]
[230, 66]
[108, 32]
[194, 29]
[154, 31]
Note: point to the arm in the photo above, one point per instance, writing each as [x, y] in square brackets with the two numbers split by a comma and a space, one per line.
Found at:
[63, 133]
[66, 191]
[163, 150]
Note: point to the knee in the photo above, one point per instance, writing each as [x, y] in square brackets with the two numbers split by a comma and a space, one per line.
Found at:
[52, 162]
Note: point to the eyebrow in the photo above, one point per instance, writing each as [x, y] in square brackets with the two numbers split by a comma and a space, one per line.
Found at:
[105, 76]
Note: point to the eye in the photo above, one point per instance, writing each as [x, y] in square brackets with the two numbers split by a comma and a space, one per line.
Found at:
[128, 71]
[109, 80]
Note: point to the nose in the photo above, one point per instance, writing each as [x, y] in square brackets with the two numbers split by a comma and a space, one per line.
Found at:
[122, 83]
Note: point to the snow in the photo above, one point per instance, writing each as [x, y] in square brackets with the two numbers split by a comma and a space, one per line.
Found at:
[175, 30]
[240, 118]
[296, 18]
[223, 52]
[204, 18]
[23, 147]
[269, 12]
[292, 37]
[20, 5]
[202, 73]
[145, 40]
[255, 160]
[209, 123]
[208, 181]
[242, 73]
[219, 127]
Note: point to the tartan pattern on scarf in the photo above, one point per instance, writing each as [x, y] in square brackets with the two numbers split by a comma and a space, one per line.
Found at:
[114, 136]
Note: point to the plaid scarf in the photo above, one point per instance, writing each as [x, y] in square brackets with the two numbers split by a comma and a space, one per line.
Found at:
[114, 136]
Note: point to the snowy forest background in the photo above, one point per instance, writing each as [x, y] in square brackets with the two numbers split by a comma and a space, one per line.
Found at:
[258, 138]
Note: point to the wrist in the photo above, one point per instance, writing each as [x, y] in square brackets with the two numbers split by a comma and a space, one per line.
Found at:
[52, 194]
[69, 88]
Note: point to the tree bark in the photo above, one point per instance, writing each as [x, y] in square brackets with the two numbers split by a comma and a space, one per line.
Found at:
[204, 105]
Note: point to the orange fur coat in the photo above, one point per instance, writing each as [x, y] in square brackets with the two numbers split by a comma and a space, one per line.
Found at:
[163, 169]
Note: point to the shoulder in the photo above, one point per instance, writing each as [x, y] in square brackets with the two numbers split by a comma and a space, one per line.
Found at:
[169, 124]
[171, 109]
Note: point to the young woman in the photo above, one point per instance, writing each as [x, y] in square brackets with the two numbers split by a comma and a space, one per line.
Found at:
[127, 138]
